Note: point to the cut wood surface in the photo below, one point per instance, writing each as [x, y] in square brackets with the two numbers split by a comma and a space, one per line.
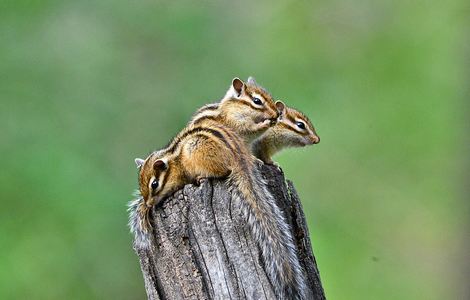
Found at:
[202, 248]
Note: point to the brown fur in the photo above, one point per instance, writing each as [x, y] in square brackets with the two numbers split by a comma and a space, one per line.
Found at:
[199, 151]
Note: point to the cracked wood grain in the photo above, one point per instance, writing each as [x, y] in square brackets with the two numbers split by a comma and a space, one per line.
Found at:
[203, 250]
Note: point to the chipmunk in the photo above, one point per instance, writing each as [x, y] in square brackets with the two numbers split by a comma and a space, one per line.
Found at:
[246, 108]
[214, 145]
[293, 129]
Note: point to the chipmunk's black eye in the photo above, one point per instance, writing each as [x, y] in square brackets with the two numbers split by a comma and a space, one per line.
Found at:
[301, 125]
[257, 101]
[154, 184]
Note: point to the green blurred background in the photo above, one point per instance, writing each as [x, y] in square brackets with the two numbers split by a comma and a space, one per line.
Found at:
[88, 86]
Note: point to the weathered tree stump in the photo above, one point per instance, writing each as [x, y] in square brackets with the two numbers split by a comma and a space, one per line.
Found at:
[203, 249]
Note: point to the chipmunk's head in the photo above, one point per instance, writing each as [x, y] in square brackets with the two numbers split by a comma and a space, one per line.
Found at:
[296, 128]
[249, 106]
[154, 179]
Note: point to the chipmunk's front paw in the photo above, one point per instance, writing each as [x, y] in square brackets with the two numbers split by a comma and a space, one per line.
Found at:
[201, 180]
[263, 125]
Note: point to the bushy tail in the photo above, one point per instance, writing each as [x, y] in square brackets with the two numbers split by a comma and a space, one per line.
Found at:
[272, 233]
[139, 222]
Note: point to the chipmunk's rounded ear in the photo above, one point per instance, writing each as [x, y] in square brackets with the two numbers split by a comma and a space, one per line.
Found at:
[159, 164]
[281, 107]
[236, 89]
[238, 85]
[251, 80]
[139, 162]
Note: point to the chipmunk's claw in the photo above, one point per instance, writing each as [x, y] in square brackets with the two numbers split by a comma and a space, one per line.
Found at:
[259, 162]
[278, 166]
[201, 180]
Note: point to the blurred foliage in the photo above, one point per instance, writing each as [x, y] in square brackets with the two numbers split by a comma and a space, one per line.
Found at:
[87, 86]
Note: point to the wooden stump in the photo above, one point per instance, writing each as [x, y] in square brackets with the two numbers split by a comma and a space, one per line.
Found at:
[203, 249]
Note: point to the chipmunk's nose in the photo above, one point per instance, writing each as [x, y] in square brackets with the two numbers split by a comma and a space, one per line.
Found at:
[273, 121]
[316, 139]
